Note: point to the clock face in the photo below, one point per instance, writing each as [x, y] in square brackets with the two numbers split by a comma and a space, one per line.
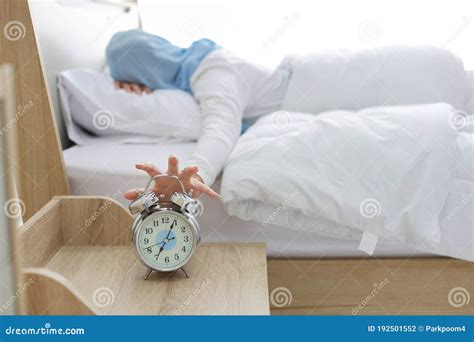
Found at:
[165, 240]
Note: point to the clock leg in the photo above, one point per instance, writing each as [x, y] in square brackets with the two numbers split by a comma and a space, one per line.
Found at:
[186, 273]
[148, 273]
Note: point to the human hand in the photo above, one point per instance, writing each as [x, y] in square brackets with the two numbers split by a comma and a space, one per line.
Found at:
[167, 186]
[132, 87]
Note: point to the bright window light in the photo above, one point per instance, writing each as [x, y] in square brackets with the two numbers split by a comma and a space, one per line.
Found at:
[264, 30]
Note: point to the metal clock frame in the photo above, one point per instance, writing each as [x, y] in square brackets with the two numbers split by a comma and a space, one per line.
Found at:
[164, 206]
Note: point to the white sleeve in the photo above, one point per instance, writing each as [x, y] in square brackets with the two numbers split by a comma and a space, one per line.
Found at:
[222, 102]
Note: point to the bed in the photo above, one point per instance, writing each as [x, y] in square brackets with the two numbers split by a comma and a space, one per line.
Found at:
[103, 164]
[107, 169]
[322, 275]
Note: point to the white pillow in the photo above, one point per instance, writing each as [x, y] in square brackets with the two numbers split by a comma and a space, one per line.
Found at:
[93, 107]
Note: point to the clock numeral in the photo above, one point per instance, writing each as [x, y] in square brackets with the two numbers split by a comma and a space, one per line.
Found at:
[155, 223]
[183, 229]
[175, 222]
[176, 256]
[156, 256]
[167, 259]
[184, 249]
[165, 220]
[186, 238]
[146, 241]
[148, 250]
[148, 230]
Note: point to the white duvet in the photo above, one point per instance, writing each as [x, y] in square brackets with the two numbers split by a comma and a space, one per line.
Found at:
[382, 170]
[396, 75]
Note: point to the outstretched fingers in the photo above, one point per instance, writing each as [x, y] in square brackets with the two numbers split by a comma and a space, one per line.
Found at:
[173, 166]
[149, 168]
[203, 188]
[132, 194]
[188, 172]
[187, 175]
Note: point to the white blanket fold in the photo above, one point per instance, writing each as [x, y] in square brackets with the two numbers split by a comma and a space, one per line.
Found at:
[384, 170]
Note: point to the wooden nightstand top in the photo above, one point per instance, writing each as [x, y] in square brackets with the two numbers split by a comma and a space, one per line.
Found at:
[225, 279]
[92, 269]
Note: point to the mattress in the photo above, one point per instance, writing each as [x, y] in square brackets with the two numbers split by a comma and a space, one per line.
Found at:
[108, 170]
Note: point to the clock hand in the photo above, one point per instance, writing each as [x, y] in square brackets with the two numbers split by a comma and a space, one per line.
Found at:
[168, 240]
[161, 250]
[154, 244]
[172, 225]
[163, 247]
[159, 243]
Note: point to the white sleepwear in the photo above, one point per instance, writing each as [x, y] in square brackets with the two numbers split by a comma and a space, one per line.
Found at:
[229, 89]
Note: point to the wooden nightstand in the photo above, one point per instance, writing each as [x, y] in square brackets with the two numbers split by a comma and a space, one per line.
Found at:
[74, 268]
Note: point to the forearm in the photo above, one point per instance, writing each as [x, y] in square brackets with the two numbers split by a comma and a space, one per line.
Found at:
[221, 131]
[220, 93]
[210, 157]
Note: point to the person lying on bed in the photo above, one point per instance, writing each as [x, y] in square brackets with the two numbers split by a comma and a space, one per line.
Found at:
[228, 90]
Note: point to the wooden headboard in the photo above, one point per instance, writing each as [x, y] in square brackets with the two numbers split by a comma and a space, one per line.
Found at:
[39, 160]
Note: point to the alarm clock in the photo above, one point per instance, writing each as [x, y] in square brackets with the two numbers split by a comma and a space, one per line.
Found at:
[165, 231]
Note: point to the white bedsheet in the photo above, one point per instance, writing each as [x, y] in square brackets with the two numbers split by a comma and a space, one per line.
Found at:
[108, 169]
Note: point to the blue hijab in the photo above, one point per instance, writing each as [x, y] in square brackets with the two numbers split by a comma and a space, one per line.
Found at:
[139, 57]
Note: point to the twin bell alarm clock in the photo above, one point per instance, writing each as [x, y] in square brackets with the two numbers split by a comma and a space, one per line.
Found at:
[165, 231]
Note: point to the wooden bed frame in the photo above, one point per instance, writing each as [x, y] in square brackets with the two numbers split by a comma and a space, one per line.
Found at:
[297, 286]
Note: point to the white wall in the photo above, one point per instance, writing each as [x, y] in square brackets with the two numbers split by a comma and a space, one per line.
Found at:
[266, 30]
